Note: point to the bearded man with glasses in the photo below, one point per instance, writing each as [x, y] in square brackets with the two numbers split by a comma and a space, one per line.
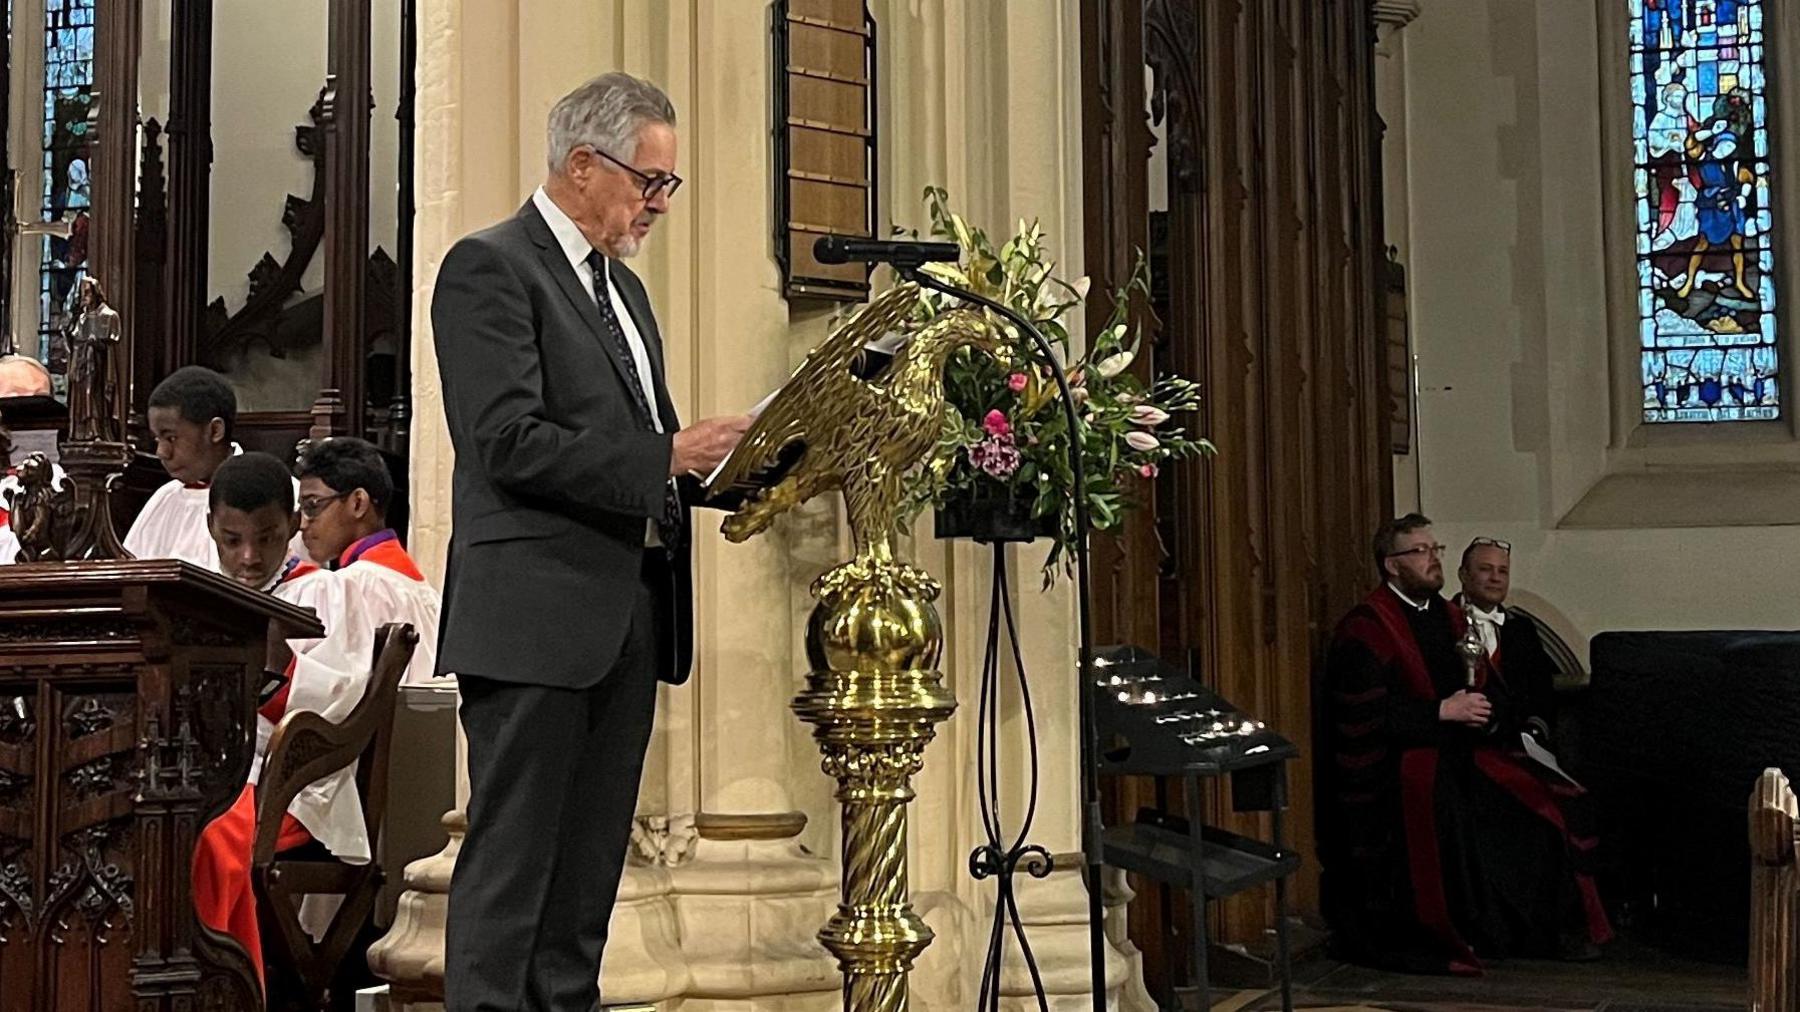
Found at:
[1441, 844]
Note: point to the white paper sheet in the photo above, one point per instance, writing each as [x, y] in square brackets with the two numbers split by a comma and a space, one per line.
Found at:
[1545, 758]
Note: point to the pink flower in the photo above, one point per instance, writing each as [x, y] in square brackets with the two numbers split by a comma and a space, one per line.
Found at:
[1017, 382]
[995, 424]
[1147, 471]
[996, 456]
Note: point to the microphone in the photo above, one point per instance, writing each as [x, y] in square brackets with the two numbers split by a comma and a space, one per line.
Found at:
[842, 249]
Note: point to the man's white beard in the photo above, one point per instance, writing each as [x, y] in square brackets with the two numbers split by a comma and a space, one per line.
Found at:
[628, 246]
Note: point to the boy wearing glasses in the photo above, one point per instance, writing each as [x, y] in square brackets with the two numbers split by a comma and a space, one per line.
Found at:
[345, 492]
[1441, 844]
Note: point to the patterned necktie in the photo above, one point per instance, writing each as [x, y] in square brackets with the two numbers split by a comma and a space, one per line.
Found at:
[668, 526]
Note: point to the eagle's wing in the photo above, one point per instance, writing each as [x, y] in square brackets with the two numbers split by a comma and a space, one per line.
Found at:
[820, 382]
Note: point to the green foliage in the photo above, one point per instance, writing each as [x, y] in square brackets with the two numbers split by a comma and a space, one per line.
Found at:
[1005, 434]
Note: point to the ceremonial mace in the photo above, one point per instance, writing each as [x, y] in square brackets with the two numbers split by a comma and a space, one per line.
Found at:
[1471, 650]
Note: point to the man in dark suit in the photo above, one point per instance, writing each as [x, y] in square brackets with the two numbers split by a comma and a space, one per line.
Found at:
[567, 594]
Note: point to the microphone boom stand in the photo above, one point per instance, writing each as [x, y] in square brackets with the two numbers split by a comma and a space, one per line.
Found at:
[909, 269]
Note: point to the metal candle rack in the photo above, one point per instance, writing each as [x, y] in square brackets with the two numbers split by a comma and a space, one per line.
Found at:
[1154, 719]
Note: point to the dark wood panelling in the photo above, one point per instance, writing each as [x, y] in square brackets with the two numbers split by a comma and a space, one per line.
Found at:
[1271, 297]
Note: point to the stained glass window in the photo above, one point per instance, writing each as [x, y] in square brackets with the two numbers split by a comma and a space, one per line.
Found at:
[1705, 235]
[68, 127]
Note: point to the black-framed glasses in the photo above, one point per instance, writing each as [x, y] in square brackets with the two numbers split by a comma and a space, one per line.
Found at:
[312, 506]
[1435, 551]
[1505, 546]
[665, 183]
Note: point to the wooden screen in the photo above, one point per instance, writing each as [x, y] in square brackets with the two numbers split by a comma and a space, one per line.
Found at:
[824, 141]
[1272, 299]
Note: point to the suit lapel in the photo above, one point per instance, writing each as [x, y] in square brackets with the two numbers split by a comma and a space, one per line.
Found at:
[558, 266]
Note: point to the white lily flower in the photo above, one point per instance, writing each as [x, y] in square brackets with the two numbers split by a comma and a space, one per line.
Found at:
[1148, 415]
[1143, 442]
[1112, 365]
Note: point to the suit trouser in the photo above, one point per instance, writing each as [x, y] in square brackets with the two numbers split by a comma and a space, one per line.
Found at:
[553, 784]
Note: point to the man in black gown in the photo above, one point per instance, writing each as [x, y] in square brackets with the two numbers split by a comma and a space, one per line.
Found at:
[1441, 843]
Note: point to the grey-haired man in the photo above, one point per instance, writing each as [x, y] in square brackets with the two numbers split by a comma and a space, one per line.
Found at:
[567, 594]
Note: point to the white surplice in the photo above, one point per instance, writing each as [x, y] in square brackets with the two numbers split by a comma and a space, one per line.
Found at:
[388, 596]
[172, 525]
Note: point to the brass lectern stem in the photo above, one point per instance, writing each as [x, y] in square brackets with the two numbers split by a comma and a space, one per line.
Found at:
[874, 695]
[874, 699]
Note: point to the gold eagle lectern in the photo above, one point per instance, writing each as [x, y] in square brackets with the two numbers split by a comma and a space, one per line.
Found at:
[874, 695]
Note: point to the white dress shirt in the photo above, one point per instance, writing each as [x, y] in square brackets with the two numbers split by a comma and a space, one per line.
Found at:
[1488, 623]
[576, 248]
[1424, 605]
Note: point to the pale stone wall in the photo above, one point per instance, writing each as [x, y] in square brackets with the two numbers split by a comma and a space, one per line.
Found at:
[1505, 196]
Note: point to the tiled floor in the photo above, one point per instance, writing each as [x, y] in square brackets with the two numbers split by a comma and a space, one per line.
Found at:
[1628, 979]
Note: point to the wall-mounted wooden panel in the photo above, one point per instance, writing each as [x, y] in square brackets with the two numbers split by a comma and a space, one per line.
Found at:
[824, 141]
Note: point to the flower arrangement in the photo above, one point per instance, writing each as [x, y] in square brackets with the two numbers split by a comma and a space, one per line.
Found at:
[1005, 434]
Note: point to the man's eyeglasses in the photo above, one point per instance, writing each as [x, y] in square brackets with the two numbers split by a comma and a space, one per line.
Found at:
[1505, 546]
[1434, 551]
[662, 182]
[312, 506]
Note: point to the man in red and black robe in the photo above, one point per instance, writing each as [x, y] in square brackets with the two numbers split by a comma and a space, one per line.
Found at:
[1441, 843]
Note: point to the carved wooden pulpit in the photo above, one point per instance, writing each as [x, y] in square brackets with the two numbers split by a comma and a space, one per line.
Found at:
[127, 713]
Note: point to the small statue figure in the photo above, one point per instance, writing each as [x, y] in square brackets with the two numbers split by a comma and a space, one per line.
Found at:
[41, 512]
[92, 333]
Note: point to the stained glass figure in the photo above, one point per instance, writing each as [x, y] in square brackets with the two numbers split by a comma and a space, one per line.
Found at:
[1705, 232]
[68, 136]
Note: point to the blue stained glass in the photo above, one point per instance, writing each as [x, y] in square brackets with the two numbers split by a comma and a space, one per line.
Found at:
[68, 126]
[1706, 290]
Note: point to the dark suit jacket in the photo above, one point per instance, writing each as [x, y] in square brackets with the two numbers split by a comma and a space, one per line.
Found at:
[1529, 671]
[556, 476]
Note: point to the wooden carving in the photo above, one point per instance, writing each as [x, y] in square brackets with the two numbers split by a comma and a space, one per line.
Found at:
[70, 519]
[42, 514]
[1774, 895]
[273, 282]
[92, 333]
[149, 308]
[1171, 47]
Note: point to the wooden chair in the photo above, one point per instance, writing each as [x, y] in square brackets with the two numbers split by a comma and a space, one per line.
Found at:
[305, 747]
[1774, 895]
